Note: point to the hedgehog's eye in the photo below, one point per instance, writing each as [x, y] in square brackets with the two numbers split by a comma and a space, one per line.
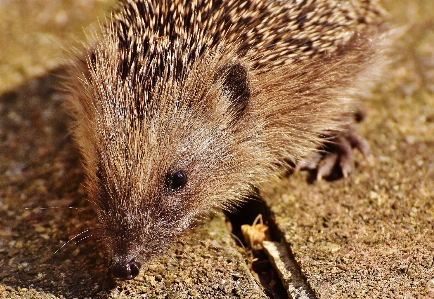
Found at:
[177, 180]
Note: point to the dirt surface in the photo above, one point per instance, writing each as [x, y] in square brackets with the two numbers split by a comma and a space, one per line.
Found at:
[38, 34]
[367, 236]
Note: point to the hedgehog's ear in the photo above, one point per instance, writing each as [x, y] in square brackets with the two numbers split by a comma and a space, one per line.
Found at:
[235, 84]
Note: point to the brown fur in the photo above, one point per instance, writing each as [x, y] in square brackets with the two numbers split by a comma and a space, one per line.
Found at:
[223, 91]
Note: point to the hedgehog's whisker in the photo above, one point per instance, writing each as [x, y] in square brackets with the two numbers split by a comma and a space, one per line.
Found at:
[82, 239]
[46, 208]
[72, 239]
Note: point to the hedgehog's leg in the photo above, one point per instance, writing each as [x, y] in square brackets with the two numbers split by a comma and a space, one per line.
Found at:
[337, 153]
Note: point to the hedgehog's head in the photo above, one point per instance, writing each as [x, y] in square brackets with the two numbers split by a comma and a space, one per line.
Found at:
[165, 147]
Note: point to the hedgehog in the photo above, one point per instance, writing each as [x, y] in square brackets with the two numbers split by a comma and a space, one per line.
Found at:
[181, 107]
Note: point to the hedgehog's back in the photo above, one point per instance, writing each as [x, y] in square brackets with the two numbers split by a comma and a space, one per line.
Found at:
[275, 31]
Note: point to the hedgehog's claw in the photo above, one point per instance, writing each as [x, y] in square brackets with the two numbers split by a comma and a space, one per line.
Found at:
[326, 165]
[337, 154]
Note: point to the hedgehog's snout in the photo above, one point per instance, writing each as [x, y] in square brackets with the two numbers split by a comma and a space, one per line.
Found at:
[127, 270]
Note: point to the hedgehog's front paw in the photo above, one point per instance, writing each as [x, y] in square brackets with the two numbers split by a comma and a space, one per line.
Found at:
[337, 154]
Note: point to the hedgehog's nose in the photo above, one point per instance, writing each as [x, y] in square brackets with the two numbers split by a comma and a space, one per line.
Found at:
[126, 271]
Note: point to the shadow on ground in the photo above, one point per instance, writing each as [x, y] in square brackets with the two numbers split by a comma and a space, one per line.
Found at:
[39, 169]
